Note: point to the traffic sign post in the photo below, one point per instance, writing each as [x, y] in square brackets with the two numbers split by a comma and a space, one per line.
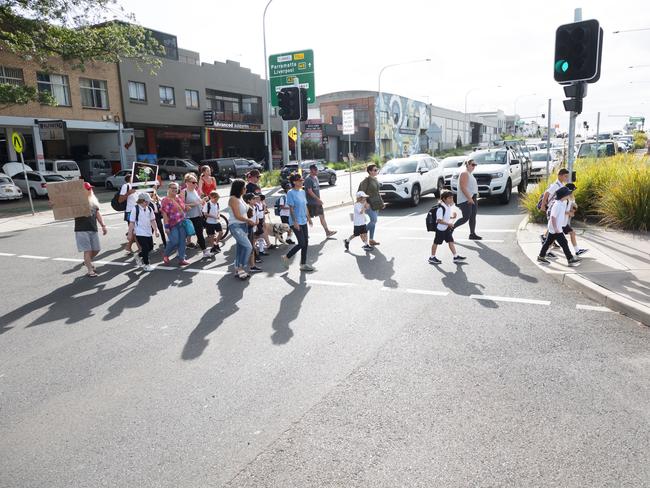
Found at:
[18, 142]
[348, 129]
[285, 67]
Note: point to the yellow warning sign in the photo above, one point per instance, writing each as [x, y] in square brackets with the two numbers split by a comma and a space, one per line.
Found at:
[298, 56]
[18, 141]
[293, 133]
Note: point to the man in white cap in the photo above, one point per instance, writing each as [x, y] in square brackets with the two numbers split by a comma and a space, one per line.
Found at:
[359, 222]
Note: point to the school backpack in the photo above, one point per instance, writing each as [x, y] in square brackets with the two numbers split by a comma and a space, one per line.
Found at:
[431, 218]
[278, 206]
[115, 201]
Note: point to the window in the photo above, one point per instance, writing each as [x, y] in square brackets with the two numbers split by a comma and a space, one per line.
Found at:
[137, 91]
[94, 93]
[12, 76]
[55, 85]
[166, 95]
[191, 99]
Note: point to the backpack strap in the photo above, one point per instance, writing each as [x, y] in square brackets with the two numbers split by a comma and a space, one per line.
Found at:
[209, 207]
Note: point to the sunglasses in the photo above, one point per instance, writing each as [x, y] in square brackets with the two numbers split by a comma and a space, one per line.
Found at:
[472, 164]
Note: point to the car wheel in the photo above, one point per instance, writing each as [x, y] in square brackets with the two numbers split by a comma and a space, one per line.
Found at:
[505, 196]
[33, 193]
[332, 181]
[440, 188]
[109, 185]
[415, 196]
[523, 185]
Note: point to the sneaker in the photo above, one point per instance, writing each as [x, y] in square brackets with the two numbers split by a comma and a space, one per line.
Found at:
[475, 237]
[184, 262]
[147, 267]
[551, 255]
[254, 269]
[191, 245]
[289, 241]
[207, 253]
[459, 258]
[330, 233]
[542, 259]
[434, 260]
[574, 262]
[346, 243]
[368, 248]
[166, 259]
[581, 251]
[307, 267]
[215, 250]
[286, 262]
[258, 260]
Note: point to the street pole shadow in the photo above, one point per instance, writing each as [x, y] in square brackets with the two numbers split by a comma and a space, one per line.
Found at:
[374, 266]
[499, 262]
[458, 283]
[231, 291]
[289, 310]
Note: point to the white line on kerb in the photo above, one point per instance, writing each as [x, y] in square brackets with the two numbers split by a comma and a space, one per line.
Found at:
[29, 256]
[329, 283]
[8, 254]
[510, 299]
[595, 308]
[415, 291]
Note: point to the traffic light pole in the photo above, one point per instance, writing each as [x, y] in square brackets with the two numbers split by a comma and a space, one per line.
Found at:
[548, 139]
[296, 82]
[597, 134]
[577, 17]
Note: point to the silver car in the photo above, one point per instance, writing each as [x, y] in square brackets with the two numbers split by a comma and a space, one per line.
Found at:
[8, 189]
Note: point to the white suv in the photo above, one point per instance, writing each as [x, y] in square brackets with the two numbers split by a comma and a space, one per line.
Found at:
[407, 179]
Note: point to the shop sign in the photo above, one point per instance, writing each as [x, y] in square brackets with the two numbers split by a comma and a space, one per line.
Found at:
[218, 124]
[52, 130]
[174, 134]
[311, 126]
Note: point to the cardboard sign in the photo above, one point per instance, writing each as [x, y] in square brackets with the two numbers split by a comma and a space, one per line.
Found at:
[69, 199]
[144, 176]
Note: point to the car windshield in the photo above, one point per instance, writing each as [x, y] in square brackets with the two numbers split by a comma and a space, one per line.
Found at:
[5, 181]
[399, 167]
[191, 163]
[53, 178]
[451, 162]
[539, 157]
[492, 157]
[589, 149]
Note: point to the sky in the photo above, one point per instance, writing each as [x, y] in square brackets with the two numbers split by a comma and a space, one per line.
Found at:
[497, 55]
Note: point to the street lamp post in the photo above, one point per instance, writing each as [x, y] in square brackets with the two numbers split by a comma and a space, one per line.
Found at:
[269, 143]
[381, 99]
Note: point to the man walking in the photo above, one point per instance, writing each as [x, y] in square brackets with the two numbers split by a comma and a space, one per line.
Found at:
[298, 219]
[370, 186]
[314, 203]
[466, 199]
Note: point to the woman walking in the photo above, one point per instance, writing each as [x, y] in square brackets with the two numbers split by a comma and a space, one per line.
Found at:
[193, 205]
[207, 182]
[85, 232]
[239, 227]
[370, 186]
[173, 211]
[155, 202]
[466, 198]
[298, 219]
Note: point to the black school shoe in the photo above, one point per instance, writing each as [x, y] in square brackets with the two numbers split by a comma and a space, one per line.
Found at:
[459, 259]
[289, 241]
[475, 237]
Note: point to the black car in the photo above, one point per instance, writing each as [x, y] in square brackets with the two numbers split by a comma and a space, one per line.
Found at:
[224, 169]
[325, 174]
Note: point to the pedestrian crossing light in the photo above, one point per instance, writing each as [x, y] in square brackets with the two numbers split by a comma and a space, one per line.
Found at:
[578, 52]
[561, 66]
[289, 103]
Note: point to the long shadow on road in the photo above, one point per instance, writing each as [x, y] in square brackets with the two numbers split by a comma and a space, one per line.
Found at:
[458, 283]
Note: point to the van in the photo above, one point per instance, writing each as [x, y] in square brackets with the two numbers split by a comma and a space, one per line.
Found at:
[95, 169]
[65, 167]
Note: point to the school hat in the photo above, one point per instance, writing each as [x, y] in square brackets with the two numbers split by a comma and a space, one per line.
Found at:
[362, 194]
[562, 192]
[571, 186]
[144, 196]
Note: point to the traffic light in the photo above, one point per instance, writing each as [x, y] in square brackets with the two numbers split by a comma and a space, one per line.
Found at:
[578, 49]
[289, 103]
[575, 93]
[303, 104]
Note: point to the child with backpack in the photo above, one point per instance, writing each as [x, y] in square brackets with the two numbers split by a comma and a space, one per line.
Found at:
[556, 223]
[359, 222]
[212, 212]
[142, 221]
[283, 210]
[444, 215]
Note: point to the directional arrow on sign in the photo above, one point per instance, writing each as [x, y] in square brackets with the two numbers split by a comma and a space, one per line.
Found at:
[293, 133]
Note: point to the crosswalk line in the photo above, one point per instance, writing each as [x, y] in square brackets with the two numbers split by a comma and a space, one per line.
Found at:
[510, 299]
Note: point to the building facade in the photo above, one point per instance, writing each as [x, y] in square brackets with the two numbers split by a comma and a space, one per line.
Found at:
[89, 106]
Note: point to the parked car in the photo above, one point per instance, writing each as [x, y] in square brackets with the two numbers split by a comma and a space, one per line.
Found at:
[532, 147]
[602, 148]
[67, 168]
[407, 179]
[538, 170]
[36, 182]
[117, 180]
[450, 166]
[95, 169]
[8, 189]
[176, 166]
[243, 166]
[325, 174]
[497, 172]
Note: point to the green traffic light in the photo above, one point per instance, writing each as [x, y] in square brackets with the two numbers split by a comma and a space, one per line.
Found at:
[562, 66]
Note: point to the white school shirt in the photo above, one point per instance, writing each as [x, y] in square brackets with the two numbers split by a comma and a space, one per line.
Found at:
[212, 217]
[143, 225]
[359, 218]
[132, 199]
[259, 211]
[283, 203]
[444, 213]
[558, 211]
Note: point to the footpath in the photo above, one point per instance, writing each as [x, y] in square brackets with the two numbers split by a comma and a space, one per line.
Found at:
[615, 272]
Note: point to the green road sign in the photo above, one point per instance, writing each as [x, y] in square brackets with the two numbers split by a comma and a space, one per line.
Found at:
[636, 120]
[283, 68]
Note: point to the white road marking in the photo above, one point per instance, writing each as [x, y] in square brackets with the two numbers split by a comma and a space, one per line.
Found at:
[8, 254]
[29, 256]
[422, 229]
[70, 260]
[206, 271]
[595, 308]
[329, 283]
[490, 241]
[397, 219]
[415, 291]
[112, 263]
[510, 299]
[165, 268]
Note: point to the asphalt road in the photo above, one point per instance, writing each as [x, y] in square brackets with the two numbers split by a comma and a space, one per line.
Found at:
[376, 370]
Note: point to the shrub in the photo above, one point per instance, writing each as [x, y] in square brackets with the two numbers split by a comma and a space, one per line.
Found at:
[270, 178]
[626, 204]
[530, 199]
[640, 139]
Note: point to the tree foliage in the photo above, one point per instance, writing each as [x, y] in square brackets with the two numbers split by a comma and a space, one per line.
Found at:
[75, 31]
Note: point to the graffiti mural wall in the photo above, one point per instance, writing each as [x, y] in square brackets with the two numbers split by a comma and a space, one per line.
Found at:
[404, 126]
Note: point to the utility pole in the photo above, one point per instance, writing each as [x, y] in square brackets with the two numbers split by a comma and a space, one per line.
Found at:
[296, 82]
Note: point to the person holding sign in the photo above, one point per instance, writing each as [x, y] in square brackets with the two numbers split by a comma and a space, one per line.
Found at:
[85, 232]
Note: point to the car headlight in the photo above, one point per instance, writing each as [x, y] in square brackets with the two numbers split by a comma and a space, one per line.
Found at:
[400, 182]
[497, 175]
